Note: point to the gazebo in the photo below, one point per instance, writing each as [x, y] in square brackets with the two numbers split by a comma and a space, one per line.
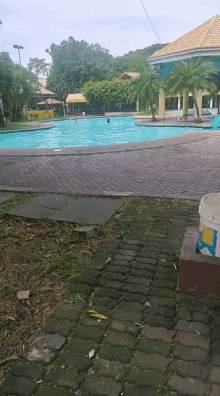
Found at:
[50, 103]
[76, 103]
[203, 41]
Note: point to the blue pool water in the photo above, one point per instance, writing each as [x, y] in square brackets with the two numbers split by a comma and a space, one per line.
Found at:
[90, 132]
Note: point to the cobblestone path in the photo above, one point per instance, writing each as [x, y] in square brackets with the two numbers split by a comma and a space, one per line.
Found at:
[169, 346]
[190, 169]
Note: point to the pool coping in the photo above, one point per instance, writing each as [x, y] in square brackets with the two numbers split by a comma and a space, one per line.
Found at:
[187, 137]
[29, 129]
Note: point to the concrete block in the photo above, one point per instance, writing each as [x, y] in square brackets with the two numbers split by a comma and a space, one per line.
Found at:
[198, 274]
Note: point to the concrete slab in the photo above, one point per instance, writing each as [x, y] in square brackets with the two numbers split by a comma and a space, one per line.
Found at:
[52, 201]
[32, 211]
[88, 211]
[5, 196]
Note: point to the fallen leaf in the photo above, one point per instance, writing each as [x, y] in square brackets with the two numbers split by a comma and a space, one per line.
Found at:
[163, 260]
[86, 251]
[100, 316]
[130, 254]
[12, 357]
[97, 315]
[109, 258]
[7, 317]
[46, 288]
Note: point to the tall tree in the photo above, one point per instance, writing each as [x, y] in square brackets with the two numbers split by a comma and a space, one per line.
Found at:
[24, 89]
[132, 60]
[74, 63]
[192, 76]
[5, 58]
[146, 89]
[38, 67]
[6, 82]
[69, 51]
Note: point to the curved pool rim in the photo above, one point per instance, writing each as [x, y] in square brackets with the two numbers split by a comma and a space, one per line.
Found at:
[187, 137]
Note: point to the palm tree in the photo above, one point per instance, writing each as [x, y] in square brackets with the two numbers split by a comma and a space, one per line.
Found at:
[192, 76]
[146, 89]
[38, 67]
[23, 90]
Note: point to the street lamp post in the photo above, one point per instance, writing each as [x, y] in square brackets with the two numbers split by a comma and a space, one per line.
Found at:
[18, 47]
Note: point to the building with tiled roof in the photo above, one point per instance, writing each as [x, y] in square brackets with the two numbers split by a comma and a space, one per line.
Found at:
[203, 41]
[128, 75]
[204, 38]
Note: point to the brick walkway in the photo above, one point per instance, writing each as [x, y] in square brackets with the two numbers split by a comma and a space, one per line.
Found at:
[190, 169]
[169, 346]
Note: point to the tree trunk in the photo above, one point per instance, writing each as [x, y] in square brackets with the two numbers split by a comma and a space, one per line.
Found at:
[16, 108]
[218, 104]
[153, 113]
[185, 105]
[2, 124]
[198, 119]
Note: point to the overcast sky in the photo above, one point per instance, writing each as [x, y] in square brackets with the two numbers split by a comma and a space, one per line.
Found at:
[118, 25]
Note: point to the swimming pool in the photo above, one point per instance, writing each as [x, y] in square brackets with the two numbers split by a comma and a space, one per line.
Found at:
[90, 132]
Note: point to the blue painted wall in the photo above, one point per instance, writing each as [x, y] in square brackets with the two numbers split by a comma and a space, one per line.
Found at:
[166, 68]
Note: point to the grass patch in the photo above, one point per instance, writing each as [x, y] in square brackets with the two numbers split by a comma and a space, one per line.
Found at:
[190, 203]
[41, 256]
[176, 202]
[13, 126]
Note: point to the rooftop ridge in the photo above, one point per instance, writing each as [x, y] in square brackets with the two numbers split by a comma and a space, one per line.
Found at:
[204, 35]
[208, 31]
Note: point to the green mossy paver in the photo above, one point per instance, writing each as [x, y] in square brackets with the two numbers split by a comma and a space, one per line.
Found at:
[80, 346]
[121, 354]
[75, 360]
[21, 386]
[64, 377]
[108, 368]
[59, 327]
[47, 390]
[30, 370]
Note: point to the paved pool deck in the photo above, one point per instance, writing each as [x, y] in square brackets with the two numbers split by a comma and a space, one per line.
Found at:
[184, 166]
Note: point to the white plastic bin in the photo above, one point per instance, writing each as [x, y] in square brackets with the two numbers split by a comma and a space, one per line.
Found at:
[209, 227]
[84, 113]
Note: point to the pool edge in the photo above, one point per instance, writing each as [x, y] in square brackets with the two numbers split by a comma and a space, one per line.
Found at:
[189, 136]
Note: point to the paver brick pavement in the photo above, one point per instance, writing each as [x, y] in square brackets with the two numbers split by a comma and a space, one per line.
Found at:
[162, 171]
[168, 347]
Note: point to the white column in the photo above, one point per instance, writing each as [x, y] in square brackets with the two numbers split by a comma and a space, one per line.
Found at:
[137, 106]
[179, 103]
[211, 100]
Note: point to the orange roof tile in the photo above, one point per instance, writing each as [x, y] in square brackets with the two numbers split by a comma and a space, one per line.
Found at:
[206, 35]
[129, 75]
